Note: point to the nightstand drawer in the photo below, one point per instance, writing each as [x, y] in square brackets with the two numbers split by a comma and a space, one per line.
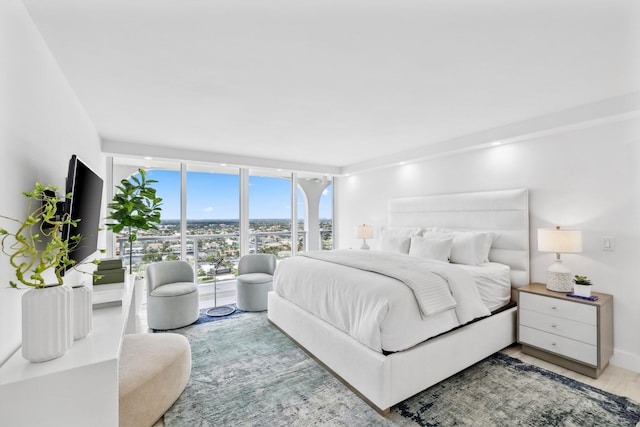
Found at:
[559, 326]
[556, 307]
[560, 345]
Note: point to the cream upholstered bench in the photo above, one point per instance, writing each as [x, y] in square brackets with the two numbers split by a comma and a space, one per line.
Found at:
[153, 372]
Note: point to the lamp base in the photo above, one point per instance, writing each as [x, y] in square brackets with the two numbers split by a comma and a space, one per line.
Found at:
[559, 281]
[364, 245]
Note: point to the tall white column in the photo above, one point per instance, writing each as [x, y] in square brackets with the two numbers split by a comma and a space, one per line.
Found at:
[313, 189]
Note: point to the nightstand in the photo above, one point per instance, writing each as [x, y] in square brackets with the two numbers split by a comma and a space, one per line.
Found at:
[573, 333]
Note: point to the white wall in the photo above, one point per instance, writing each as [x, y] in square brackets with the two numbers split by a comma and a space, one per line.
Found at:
[41, 125]
[586, 178]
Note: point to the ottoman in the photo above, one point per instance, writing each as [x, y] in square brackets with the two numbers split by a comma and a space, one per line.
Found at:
[153, 372]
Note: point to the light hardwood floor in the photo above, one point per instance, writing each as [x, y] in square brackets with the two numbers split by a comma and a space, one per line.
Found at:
[615, 380]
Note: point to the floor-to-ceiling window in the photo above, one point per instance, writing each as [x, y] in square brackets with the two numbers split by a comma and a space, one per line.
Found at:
[270, 213]
[213, 221]
[326, 218]
[301, 210]
[205, 216]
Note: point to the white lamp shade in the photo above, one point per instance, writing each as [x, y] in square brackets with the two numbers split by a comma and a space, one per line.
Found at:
[559, 240]
[364, 232]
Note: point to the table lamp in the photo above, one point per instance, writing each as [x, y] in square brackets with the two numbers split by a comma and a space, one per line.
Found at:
[364, 232]
[559, 241]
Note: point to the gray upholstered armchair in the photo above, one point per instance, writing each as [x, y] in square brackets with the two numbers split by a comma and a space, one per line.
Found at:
[255, 280]
[172, 295]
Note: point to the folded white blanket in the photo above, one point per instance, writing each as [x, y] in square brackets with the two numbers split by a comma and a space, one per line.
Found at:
[431, 289]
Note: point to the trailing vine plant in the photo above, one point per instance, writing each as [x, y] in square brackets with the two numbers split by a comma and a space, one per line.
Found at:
[36, 246]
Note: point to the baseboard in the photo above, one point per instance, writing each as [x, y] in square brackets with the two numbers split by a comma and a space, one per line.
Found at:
[623, 359]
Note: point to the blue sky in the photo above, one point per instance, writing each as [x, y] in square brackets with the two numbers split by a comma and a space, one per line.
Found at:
[216, 196]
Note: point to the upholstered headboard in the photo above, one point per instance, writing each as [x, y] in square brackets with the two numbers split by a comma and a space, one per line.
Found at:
[504, 213]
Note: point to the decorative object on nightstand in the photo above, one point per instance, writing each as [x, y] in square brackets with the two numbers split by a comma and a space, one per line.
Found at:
[582, 286]
[559, 241]
[364, 232]
[574, 333]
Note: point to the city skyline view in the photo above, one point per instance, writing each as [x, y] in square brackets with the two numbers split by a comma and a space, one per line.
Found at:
[215, 196]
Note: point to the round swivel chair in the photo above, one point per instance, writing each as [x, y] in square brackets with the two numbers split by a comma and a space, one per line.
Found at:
[254, 281]
[172, 295]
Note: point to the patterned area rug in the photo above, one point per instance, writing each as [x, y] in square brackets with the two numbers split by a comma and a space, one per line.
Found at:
[203, 317]
[246, 372]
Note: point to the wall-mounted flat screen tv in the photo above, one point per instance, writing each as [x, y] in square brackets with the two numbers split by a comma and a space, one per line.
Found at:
[85, 187]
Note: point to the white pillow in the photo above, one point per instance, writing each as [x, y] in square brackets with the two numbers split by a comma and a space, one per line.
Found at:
[438, 248]
[397, 239]
[469, 247]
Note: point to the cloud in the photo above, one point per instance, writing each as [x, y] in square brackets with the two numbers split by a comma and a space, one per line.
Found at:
[209, 209]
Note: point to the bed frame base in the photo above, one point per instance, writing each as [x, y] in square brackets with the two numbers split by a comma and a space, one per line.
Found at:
[383, 381]
[384, 412]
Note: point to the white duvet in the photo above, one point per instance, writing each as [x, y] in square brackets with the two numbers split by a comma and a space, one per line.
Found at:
[379, 311]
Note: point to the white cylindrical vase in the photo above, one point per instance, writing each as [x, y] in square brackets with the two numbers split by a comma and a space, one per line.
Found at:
[47, 330]
[582, 290]
[82, 311]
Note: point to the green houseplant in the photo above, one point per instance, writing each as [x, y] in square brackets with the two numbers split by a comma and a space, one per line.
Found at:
[582, 286]
[35, 249]
[582, 280]
[36, 246]
[134, 207]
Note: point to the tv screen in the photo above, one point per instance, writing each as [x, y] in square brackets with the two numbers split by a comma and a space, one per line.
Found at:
[85, 187]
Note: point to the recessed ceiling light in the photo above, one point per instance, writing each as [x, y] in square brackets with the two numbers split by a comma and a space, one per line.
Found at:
[148, 158]
[223, 164]
[495, 143]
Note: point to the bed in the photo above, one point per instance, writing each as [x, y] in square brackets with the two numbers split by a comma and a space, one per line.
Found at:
[386, 368]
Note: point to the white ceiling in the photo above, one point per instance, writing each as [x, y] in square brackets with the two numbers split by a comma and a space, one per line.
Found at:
[334, 82]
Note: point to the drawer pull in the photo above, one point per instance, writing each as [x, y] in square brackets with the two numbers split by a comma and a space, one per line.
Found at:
[553, 307]
[553, 325]
[553, 343]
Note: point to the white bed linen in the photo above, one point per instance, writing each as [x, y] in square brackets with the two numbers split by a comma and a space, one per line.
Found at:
[494, 283]
[432, 293]
[378, 311]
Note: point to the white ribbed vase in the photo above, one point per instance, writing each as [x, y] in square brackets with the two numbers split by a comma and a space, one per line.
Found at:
[82, 311]
[47, 328]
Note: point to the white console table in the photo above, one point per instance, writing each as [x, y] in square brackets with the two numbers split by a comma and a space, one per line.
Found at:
[79, 388]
